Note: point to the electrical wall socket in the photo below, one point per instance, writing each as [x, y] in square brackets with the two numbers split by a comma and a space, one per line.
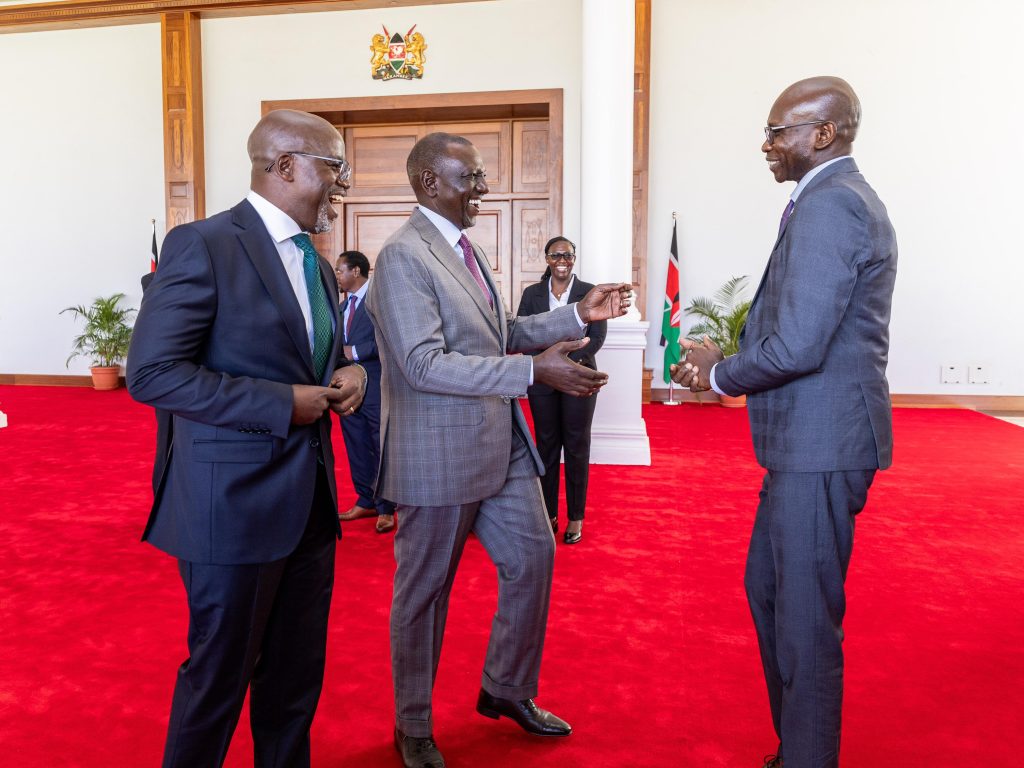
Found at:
[952, 373]
[977, 374]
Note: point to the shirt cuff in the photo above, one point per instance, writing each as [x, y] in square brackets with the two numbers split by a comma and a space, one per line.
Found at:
[577, 313]
[355, 355]
[531, 371]
[712, 377]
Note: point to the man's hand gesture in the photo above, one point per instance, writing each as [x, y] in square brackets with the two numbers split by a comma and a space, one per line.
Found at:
[605, 301]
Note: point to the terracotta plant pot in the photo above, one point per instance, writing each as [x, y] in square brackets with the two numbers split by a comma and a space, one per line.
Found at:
[106, 376]
[727, 401]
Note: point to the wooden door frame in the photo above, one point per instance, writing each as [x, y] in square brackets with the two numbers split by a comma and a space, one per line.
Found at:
[450, 107]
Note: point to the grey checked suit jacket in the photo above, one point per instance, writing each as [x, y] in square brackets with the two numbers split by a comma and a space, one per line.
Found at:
[449, 388]
[815, 347]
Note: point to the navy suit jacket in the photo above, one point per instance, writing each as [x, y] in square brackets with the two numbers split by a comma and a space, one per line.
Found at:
[363, 338]
[815, 346]
[218, 342]
[534, 301]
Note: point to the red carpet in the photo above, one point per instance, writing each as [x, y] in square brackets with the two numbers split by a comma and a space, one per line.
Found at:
[651, 653]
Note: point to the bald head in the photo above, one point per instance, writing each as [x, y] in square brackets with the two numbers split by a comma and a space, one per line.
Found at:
[825, 98]
[298, 164]
[288, 130]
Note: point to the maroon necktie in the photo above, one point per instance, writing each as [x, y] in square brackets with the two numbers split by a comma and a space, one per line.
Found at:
[351, 314]
[470, 259]
[785, 215]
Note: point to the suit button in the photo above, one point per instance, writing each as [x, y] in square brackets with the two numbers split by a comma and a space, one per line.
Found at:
[314, 443]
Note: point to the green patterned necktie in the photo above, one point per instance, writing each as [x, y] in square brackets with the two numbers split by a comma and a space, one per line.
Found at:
[323, 334]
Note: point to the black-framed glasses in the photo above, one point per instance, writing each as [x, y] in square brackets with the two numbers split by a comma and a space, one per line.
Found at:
[340, 167]
[770, 131]
[477, 177]
[568, 258]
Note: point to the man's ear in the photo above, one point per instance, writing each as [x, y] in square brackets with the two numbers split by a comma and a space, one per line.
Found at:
[428, 181]
[826, 134]
[284, 167]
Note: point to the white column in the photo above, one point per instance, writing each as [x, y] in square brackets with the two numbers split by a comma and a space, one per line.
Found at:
[606, 221]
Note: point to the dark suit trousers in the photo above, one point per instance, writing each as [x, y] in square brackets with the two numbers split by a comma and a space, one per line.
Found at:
[261, 627]
[362, 444]
[795, 581]
[514, 530]
[562, 421]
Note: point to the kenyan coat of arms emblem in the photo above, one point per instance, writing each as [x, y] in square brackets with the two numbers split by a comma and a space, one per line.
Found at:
[397, 56]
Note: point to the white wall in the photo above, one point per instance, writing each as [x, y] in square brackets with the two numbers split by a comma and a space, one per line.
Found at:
[939, 83]
[82, 177]
[492, 46]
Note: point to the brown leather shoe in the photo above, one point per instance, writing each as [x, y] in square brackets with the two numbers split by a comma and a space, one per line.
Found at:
[356, 513]
[385, 523]
[772, 761]
[418, 752]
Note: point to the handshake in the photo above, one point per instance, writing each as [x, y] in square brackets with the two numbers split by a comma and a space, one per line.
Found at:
[348, 385]
[694, 372]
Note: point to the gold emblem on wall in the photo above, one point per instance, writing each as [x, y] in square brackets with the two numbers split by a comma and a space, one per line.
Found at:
[395, 56]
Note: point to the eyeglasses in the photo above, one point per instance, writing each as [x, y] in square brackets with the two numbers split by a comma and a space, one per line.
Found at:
[770, 131]
[476, 177]
[568, 258]
[340, 167]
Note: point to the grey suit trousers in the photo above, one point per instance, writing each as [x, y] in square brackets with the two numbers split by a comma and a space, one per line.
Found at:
[513, 527]
[795, 580]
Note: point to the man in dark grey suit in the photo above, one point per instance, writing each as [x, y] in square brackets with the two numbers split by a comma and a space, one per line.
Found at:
[812, 361]
[456, 453]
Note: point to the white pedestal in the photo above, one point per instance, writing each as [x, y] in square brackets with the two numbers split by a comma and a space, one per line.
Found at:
[619, 433]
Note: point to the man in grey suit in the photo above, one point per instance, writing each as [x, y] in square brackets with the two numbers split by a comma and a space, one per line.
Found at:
[456, 451]
[812, 361]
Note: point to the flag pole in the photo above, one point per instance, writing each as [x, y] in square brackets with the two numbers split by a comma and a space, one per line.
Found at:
[671, 384]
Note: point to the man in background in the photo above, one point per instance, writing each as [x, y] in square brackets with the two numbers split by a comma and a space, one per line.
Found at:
[457, 453]
[362, 428]
[236, 338]
[812, 362]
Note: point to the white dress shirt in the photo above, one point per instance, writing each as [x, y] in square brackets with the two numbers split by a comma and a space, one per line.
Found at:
[554, 302]
[282, 229]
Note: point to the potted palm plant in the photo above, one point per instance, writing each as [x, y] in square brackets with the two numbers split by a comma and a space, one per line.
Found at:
[104, 339]
[721, 318]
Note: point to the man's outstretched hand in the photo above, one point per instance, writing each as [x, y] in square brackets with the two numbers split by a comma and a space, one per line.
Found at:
[695, 372]
[605, 301]
[554, 368]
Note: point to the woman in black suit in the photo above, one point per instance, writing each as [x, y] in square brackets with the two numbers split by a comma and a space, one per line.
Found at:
[563, 421]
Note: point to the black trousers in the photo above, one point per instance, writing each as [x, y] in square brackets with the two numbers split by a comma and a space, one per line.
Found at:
[562, 422]
[261, 627]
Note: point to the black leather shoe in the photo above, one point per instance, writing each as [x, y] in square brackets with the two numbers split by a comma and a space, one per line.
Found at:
[573, 537]
[554, 524]
[418, 752]
[530, 717]
[772, 761]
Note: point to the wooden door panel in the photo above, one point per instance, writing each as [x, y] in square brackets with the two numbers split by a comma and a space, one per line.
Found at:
[494, 141]
[493, 234]
[530, 231]
[378, 155]
[368, 225]
[530, 158]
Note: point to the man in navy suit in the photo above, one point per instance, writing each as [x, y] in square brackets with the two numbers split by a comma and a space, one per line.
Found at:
[812, 361]
[237, 339]
[362, 428]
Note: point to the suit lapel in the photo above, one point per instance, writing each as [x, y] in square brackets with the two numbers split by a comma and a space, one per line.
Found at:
[451, 261]
[846, 165]
[331, 289]
[264, 256]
